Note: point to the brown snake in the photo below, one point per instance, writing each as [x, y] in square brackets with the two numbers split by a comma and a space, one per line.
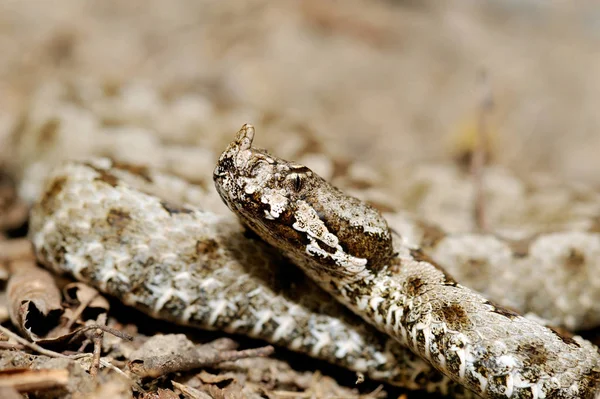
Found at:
[348, 249]
[109, 224]
[106, 224]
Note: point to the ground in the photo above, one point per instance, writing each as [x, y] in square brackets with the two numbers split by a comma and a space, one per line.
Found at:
[345, 86]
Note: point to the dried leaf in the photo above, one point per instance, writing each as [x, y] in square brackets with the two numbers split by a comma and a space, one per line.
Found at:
[208, 378]
[35, 301]
[78, 335]
[87, 296]
[164, 354]
[35, 305]
[220, 386]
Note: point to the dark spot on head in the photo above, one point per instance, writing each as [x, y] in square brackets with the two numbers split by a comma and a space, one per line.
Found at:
[118, 219]
[455, 316]
[174, 209]
[564, 335]
[536, 354]
[574, 259]
[48, 132]
[503, 311]
[137, 170]
[340, 220]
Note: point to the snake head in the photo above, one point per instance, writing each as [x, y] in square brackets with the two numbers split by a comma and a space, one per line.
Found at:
[297, 211]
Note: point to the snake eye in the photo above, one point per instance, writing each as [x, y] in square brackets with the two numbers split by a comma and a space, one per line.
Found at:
[295, 181]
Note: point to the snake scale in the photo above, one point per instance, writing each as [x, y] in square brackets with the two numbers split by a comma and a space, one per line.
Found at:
[109, 224]
[346, 246]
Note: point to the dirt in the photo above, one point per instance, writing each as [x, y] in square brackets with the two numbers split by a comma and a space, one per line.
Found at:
[381, 84]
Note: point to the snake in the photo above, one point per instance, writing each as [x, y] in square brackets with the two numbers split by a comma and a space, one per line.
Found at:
[115, 226]
[142, 236]
[541, 256]
[347, 248]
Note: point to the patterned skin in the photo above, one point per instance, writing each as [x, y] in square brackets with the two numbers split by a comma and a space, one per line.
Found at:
[347, 248]
[110, 225]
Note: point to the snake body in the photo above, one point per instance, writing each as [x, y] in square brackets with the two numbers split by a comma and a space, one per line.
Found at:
[552, 275]
[544, 257]
[114, 225]
[347, 248]
[108, 224]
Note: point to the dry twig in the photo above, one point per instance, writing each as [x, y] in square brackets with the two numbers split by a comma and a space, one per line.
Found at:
[33, 346]
[28, 380]
[117, 333]
[98, 336]
[83, 304]
[164, 354]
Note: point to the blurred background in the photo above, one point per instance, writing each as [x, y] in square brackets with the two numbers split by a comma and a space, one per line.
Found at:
[359, 90]
[386, 83]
